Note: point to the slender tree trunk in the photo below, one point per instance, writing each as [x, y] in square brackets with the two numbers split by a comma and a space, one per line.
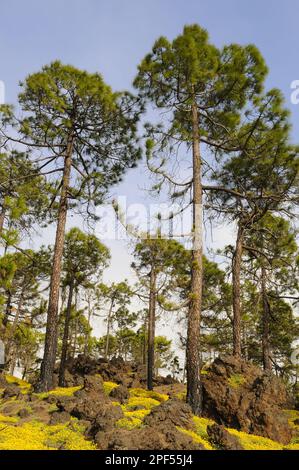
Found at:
[75, 337]
[265, 323]
[108, 329]
[13, 330]
[184, 371]
[48, 363]
[236, 271]
[144, 342]
[7, 309]
[245, 342]
[194, 394]
[24, 373]
[151, 330]
[88, 320]
[13, 362]
[2, 218]
[65, 340]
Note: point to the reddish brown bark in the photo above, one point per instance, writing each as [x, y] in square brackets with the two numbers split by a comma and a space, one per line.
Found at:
[236, 272]
[265, 323]
[48, 363]
[194, 395]
[65, 339]
[151, 330]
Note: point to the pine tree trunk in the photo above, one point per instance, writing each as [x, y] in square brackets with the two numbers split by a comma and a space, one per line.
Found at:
[236, 271]
[144, 343]
[24, 373]
[265, 323]
[2, 218]
[194, 394]
[7, 309]
[75, 337]
[151, 330]
[48, 363]
[88, 321]
[65, 340]
[13, 362]
[10, 343]
[108, 329]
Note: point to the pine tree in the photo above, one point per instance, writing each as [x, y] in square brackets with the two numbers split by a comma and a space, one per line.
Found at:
[261, 177]
[87, 134]
[157, 261]
[203, 89]
[24, 193]
[116, 297]
[272, 250]
[84, 257]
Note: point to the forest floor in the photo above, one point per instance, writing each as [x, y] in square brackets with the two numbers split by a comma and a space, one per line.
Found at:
[102, 414]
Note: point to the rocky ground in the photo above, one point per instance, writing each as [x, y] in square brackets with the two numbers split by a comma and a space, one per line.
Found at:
[106, 406]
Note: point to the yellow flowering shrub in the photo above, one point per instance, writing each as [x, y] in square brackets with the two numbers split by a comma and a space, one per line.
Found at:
[236, 380]
[59, 391]
[25, 387]
[8, 419]
[181, 396]
[147, 403]
[68, 436]
[253, 442]
[142, 393]
[291, 447]
[38, 436]
[140, 414]
[292, 416]
[201, 425]
[129, 423]
[196, 438]
[108, 387]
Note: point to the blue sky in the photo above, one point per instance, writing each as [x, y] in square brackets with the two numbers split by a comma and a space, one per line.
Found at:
[112, 36]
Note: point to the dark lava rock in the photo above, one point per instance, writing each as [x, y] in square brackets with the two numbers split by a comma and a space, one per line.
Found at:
[120, 393]
[163, 437]
[3, 382]
[172, 412]
[24, 413]
[238, 394]
[11, 391]
[60, 417]
[51, 399]
[222, 439]
[105, 419]
[92, 405]
[116, 370]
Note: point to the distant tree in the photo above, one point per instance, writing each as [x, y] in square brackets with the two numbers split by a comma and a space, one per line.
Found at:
[22, 293]
[27, 342]
[116, 298]
[23, 192]
[272, 251]
[84, 257]
[101, 346]
[157, 261]
[163, 353]
[257, 180]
